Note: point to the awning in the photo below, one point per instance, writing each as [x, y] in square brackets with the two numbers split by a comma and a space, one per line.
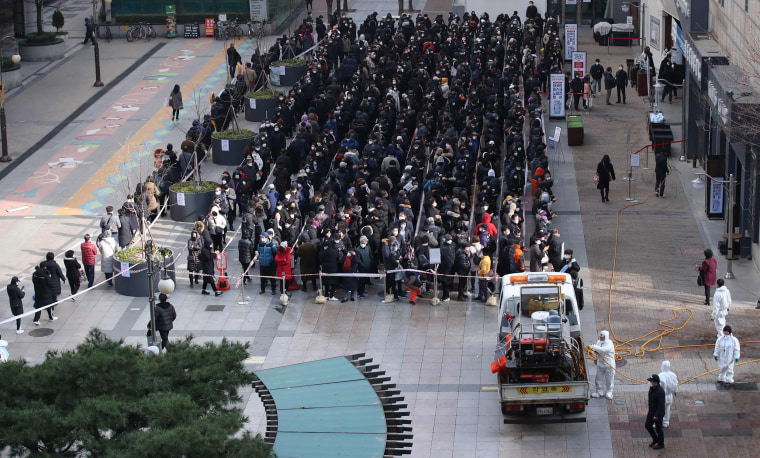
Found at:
[669, 7]
[333, 407]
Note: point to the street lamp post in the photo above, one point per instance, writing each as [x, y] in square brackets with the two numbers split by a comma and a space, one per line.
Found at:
[3, 129]
[98, 83]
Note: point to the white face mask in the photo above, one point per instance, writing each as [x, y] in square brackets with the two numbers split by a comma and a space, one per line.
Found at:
[363, 245]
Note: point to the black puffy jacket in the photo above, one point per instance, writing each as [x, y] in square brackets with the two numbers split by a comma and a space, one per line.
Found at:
[463, 262]
[448, 255]
[42, 294]
[165, 316]
[245, 251]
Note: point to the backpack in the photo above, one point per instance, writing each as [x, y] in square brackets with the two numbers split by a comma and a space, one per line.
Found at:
[514, 267]
[477, 257]
[347, 264]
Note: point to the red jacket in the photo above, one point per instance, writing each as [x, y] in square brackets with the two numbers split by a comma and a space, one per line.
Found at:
[283, 263]
[709, 269]
[88, 253]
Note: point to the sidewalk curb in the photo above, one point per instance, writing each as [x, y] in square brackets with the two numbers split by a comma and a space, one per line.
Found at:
[84, 106]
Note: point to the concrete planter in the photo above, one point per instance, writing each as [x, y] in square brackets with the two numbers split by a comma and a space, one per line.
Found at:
[12, 77]
[41, 52]
[264, 109]
[292, 75]
[234, 156]
[195, 204]
[136, 285]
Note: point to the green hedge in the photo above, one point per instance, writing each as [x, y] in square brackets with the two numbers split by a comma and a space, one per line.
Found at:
[186, 18]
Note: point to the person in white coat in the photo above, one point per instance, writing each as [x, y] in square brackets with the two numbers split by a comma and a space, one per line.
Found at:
[669, 384]
[726, 354]
[107, 246]
[605, 372]
[721, 305]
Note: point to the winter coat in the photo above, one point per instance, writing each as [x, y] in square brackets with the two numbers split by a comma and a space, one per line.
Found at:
[177, 100]
[282, 258]
[656, 402]
[150, 191]
[107, 249]
[88, 253]
[266, 254]
[350, 283]
[462, 262]
[125, 231]
[165, 316]
[207, 261]
[307, 256]
[606, 174]
[245, 251]
[365, 259]
[42, 294]
[390, 262]
[194, 254]
[484, 268]
[72, 269]
[14, 296]
[708, 270]
[215, 222]
[56, 277]
[489, 225]
[330, 261]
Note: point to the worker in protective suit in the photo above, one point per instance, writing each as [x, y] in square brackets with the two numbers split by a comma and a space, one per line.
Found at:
[721, 305]
[669, 384]
[605, 350]
[726, 354]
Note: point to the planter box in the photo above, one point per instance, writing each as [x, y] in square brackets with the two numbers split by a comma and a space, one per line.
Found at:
[195, 204]
[12, 77]
[41, 53]
[136, 285]
[264, 109]
[291, 76]
[234, 154]
[574, 130]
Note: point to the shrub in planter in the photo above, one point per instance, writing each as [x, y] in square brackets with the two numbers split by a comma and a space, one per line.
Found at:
[260, 104]
[136, 284]
[197, 200]
[288, 63]
[58, 20]
[39, 38]
[228, 146]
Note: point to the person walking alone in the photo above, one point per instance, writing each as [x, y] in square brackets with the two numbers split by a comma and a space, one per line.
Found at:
[175, 98]
[661, 171]
[15, 296]
[726, 354]
[605, 369]
[655, 413]
[708, 271]
[606, 173]
[669, 384]
[89, 34]
[165, 316]
[721, 306]
[621, 82]
[233, 59]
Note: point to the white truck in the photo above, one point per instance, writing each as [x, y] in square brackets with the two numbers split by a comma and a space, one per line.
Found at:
[540, 361]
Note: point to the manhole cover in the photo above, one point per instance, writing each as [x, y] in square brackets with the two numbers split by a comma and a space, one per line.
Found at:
[621, 363]
[41, 332]
[214, 308]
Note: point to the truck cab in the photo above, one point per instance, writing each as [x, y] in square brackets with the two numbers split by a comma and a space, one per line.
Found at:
[540, 363]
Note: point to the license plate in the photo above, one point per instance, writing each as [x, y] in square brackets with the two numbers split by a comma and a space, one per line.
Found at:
[544, 410]
[545, 389]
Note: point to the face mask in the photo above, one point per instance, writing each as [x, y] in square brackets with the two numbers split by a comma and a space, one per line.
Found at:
[193, 237]
[485, 208]
[620, 68]
[224, 181]
[395, 232]
[276, 129]
[462, 207]
[363, 245]
[218, 193]
[403, 226]
[435, 204]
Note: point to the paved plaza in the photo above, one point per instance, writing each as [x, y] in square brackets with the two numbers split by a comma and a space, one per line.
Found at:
[439, 357]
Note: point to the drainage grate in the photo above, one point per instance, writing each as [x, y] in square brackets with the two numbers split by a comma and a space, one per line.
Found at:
[41, 332]
[214, 308]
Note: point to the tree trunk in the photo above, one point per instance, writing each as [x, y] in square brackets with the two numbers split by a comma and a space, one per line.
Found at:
[400, 7]
[345, 5]
[38, 6]
[411, 8]
[329, 9]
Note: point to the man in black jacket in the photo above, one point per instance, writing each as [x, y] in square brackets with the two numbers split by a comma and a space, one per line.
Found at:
[656, 411]
[165, 316]
[661, 170]
[448, 256]
[42, 294]
[597, 71]
[576, 87]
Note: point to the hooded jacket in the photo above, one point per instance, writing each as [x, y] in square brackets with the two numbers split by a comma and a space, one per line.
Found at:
[668, 381]
[721, 302]
[15, 295]
[165, 316]
[489, 225]
[606, 350]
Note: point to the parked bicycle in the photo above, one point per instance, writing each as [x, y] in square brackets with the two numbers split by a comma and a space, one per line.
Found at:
[140, 31]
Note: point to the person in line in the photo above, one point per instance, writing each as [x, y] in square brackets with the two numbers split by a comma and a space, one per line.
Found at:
[207, 264]
[609, 84]
[194, 245]
[88, 259]
[708, 270]
[15, 296]
[576, 88]
[56, 275]
[165, 316]
[109, 221]
[267, 263]
[605, 369]
[484, 275]
[73, 269]
[606, 173]
[246, 251]
[721, 306]
[284, 272]
[726, 354]
[621, 82]
[597, 72]
[175, 99]
[669, 384]
[42, 294]
[107, 247]
[653, 423]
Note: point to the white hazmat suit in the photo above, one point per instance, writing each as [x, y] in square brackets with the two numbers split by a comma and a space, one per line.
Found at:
[721, 304]
[727, 353]
[605, 350]
[669, 384]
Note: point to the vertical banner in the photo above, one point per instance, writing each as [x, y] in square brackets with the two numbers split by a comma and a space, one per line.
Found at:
[171, 21]
[716, 198]
[557, 91]
[258, 10]
[571, 40]
[579, 63]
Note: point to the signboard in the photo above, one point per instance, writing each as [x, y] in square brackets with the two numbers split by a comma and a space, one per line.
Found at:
[258, 9]
[635, 160]
[253, 103]
[629, 20]
[222, 18]
[557, 107]
[225, 145]
[579, 63]
[181, 199]
[125, 269]
[276, 72]
[557, 135]
[654, 32]
[716, 197]
[571, 2]
[192, 31]
[171, 21]
[571, 40]
[209, 27]
[435, 255]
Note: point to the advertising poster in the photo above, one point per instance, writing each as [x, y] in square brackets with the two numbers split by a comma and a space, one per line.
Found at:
[571, 40]
[579, 63]
[557, 108]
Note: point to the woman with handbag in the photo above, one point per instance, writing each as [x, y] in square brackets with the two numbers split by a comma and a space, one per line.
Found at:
[707, 273]
[74, 272]
[604, 174]
[175, 101]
